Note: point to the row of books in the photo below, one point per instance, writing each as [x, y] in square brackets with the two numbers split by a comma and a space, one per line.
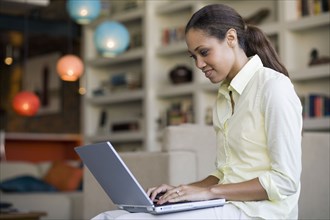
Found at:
[172, 35]
[316, 105]
[312, 7]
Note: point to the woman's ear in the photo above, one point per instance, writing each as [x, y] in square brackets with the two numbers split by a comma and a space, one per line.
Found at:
[231, 37]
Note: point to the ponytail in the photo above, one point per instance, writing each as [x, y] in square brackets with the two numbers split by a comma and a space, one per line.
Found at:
[217, 19]
[257, 43]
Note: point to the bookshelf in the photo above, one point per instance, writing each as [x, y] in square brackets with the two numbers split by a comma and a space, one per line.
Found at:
[293, 35]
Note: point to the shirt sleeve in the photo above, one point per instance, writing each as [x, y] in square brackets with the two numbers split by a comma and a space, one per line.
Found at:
[283, 124]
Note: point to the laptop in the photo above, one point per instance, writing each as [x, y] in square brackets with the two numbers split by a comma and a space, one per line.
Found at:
[122, 187]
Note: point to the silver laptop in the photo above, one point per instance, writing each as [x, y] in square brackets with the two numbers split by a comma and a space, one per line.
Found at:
[122, 187]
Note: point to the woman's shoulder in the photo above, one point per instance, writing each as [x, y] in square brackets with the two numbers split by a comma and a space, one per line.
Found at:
[271, 81]
[272, 77]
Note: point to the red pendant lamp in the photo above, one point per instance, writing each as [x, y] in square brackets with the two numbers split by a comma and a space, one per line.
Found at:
[26, 103]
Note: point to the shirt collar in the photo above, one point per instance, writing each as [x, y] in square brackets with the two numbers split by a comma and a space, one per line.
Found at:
[243, 77]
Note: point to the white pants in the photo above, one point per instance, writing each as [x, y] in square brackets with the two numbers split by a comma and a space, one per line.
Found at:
[228, 211]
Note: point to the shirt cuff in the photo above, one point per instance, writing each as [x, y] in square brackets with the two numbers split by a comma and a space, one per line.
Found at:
[269, 185]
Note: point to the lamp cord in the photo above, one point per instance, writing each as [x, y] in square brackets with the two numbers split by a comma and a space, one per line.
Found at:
[70, 46]
[26, 39]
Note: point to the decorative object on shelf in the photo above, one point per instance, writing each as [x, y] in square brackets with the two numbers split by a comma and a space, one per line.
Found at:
[70, 67]
[111, 38]
[83, 11]
[258, 17]
[132, 4]
[136, 39]
[181, 74]
[180, 113]
[125, 126]
[26, 103]
[102, 122]
[173, 35]
[119, 82]
[126, 80]
[128, 124]
[316, 59]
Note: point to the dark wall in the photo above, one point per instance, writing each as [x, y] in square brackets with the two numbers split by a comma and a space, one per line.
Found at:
[67, 120]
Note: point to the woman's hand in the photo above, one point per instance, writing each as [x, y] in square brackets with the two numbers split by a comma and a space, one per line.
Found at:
[154, 191]
[185, 193]
[194, 191]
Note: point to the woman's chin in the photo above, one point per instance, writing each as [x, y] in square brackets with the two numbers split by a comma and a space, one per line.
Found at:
[214, 80]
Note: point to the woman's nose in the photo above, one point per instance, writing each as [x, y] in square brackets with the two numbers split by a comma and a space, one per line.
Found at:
[200, 63]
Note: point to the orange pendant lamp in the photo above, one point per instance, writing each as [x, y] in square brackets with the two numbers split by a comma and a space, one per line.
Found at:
[26, 103]
[70, 67]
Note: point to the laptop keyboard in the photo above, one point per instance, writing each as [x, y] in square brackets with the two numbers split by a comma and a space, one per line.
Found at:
[169, 203]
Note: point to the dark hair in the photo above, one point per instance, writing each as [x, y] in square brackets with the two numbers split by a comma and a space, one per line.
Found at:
[217, 19]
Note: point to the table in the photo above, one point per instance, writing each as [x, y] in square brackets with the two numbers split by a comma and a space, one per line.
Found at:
[22, 215]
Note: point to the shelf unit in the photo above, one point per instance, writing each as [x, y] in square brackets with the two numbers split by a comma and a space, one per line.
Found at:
[294, 37]
[117, 104]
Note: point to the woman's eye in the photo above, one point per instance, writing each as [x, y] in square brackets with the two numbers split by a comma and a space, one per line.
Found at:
[204, 53]
[193, 56]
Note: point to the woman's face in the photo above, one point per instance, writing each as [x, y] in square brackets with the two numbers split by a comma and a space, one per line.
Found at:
[214, 57]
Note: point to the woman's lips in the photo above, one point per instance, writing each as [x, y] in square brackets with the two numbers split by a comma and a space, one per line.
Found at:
[208, 73]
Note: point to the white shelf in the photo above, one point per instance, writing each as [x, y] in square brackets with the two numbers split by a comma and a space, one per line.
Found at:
[129, 15]
[174, 7]
[122, 17]
[186, 89]
[174, 48]
[119, 97]
[177, 90]
[118, 137]
[310, 22]
[321, 71]
[130, 55]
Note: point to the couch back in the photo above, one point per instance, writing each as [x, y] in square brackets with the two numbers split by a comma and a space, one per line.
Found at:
[11, 169]
[199, 139]
[314, 198]
[315, 188]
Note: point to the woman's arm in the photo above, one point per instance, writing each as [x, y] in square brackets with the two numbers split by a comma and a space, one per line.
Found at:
[207, 182]
[250, 190]
[207, 189]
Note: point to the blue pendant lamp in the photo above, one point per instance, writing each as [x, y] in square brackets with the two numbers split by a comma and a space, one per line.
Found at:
[83, 11]
[111, 38]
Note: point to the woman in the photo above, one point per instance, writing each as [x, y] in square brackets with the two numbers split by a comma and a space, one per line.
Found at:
[257, 118]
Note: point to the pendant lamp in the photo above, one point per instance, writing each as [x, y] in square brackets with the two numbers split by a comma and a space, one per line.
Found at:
[26, 103]
[70, 67]
[83, 11]
[111, 38]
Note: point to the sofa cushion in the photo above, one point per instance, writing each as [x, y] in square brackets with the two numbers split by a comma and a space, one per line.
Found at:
[64, 176]
[26, 184]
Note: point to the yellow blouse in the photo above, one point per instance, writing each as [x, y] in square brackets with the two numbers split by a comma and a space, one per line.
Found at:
[261, 139]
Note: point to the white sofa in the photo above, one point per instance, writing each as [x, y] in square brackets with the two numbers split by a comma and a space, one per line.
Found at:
[57, 205]
[188, 154]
